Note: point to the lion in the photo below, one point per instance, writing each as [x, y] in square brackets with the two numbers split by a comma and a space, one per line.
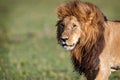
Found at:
[94, 41]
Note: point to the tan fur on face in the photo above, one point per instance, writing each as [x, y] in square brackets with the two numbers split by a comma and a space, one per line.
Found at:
[71, 30]
[97, 46]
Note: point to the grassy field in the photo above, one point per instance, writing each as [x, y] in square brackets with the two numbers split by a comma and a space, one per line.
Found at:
[28, 46]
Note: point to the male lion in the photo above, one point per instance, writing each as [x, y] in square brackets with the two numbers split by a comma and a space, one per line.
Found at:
[93, 40]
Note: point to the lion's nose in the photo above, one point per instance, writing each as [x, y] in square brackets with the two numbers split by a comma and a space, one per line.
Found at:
[64, 39]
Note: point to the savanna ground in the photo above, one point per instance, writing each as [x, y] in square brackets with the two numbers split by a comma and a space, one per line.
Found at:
[28, 46]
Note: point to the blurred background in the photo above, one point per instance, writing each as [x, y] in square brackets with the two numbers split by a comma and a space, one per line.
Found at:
[28, 46]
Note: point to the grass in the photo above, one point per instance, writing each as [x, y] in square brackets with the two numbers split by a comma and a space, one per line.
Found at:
[28, 46]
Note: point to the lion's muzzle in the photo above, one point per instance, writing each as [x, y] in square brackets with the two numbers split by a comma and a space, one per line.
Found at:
[64, 44]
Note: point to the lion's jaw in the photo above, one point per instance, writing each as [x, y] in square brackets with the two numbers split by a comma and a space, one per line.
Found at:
[69, 30]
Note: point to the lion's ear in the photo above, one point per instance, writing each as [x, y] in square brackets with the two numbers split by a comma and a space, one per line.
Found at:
[61, 11]
[91, 16]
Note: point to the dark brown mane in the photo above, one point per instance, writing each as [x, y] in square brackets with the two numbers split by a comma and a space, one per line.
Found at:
[85, 54]
[85, 57]
[117, 21]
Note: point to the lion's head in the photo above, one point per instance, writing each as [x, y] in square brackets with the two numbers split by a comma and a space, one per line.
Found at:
[69, 31]
[78, 22]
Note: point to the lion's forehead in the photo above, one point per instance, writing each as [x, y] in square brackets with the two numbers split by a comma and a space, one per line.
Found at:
[69, 21]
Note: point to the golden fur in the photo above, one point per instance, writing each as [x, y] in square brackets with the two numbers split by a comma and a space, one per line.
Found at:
[92, 39]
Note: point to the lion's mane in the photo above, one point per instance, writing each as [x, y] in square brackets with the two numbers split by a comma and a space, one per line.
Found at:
[91, 43]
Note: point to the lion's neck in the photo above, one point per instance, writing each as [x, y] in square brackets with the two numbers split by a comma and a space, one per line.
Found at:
[86, 57]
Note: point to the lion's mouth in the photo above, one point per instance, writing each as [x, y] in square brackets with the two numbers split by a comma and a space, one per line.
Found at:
[68, 47]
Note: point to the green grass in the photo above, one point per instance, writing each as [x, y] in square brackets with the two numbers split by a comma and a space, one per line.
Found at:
[28, 46]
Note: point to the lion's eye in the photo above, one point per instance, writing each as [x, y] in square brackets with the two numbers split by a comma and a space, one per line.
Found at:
[74, 26]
